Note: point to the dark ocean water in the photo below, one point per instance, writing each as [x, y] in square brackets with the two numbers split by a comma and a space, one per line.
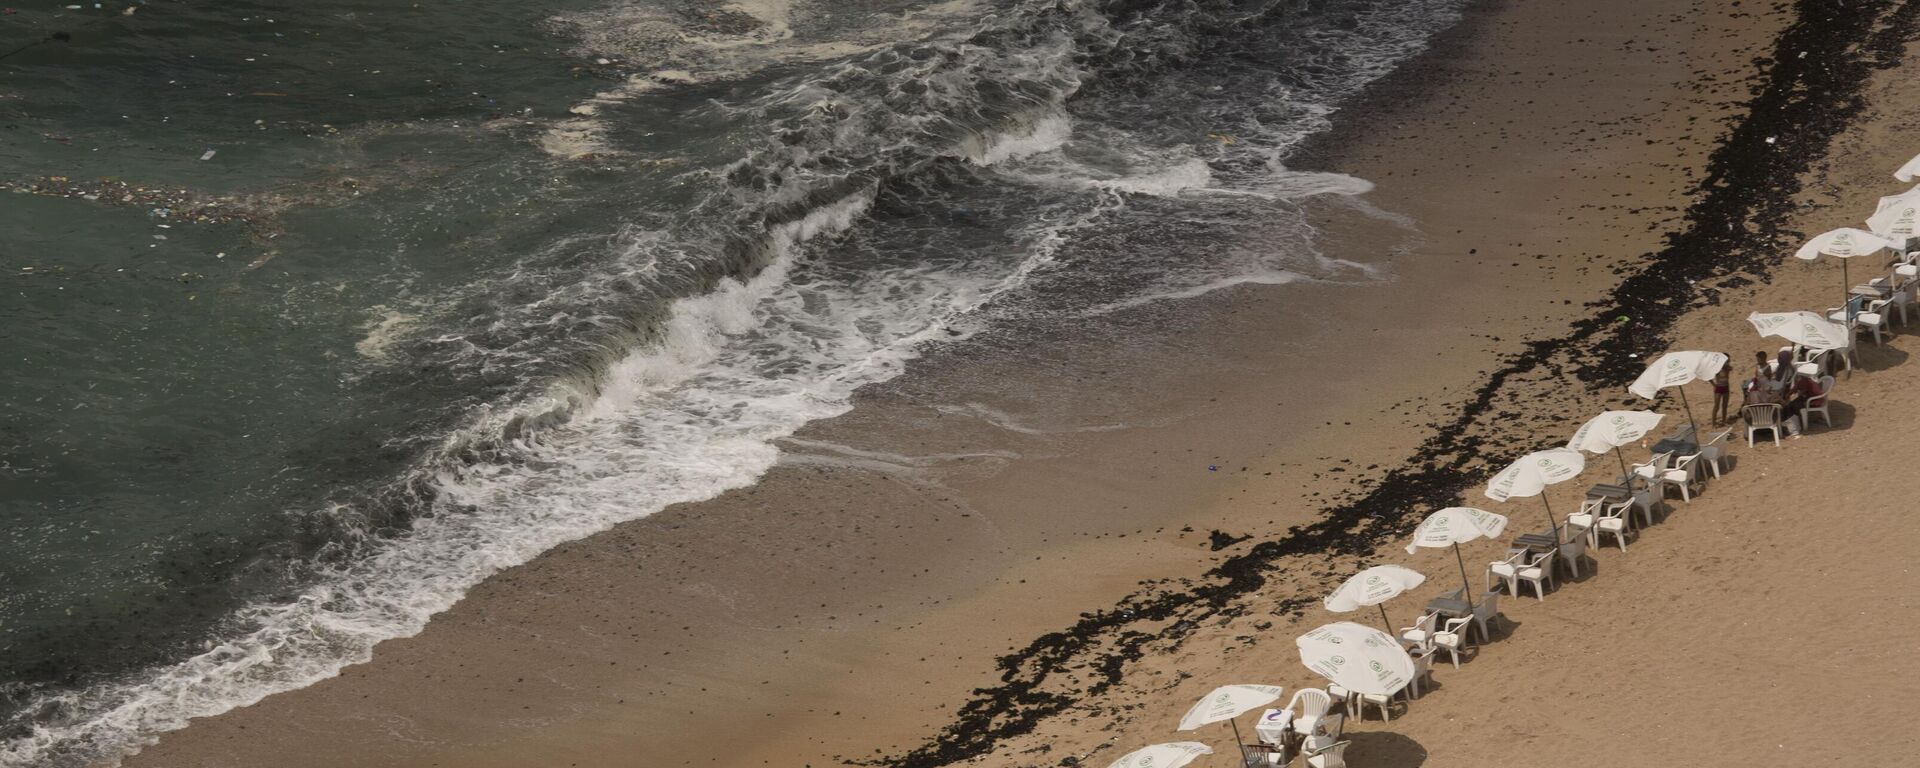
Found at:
[315, 314]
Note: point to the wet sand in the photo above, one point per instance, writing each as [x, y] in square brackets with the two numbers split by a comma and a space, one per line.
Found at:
[1051, 508]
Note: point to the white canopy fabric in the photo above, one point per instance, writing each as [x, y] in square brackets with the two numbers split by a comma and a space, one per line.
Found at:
[1897, 216]
[1676, 368]
[1227, 702]
[1906, 172]
[1804, 328]
[1172, 755]
[1373, 586]
[1613, 429]
[1359, 658]
[1456, 525]
[1530, 475]
[1892, 200]
[1843, 243]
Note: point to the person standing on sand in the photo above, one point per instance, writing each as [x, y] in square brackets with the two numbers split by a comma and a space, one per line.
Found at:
[1722, 394]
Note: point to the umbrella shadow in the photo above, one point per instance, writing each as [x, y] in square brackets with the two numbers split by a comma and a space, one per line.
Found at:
[1878, 358]
[1384, 748]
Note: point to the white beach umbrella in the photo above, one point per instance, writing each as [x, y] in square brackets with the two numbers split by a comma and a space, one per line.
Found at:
[1172, 755]
[1676, 369]
[1452, 527]
[1228, 702]
[1374, 586]
[1804, 328]
[1842, 244]
[1906, 172]
[1530, 475]
[1611, 430]
[1897, 216]
[1357, 657]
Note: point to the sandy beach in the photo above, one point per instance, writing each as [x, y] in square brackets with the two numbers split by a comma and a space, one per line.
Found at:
[1027, 554]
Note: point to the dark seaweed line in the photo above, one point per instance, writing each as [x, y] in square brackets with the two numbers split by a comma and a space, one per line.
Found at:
[1741, 210]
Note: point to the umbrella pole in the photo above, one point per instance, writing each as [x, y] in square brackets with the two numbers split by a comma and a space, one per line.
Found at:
[1689, 406]
[1236, 740]
[1846, 291]
[1384, 621]
[1466, 587]
[1625, 476]
[1550, 519]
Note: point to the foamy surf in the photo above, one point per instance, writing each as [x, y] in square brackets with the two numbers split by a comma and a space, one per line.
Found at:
[911, 187]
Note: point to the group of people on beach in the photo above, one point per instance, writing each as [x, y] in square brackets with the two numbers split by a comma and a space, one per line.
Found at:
[1779, 382]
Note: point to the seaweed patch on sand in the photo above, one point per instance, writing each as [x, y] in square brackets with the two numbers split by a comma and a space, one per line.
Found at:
[1735, 227]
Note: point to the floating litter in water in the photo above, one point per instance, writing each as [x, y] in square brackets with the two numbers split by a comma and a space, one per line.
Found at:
[208, 155]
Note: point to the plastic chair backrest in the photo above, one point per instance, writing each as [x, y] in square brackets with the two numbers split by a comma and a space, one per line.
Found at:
[1489, 604]
[1312, 702]
[1330, 756]
[1762, 414]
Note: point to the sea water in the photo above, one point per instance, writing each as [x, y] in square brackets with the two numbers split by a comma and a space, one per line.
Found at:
[315, 314]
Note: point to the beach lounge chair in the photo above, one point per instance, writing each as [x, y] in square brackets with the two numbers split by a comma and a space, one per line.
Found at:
[1451, 637]
[1765, 416]
[1330, 756]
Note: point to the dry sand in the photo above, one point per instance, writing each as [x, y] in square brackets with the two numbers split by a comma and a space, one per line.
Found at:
[848, 605]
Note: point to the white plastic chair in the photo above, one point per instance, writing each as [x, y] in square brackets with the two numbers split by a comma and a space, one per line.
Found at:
[1572, 551]
[1420, 635]
[1683, 475]
[1615, 523]
[1899, 300]
[1712, 453]
[1819, 404]
[1330, 756]
[1484, 612]
[1875, 319]
[1450, 638]
[1504, 571]
[1422, 669]
[1765, 416]
[1580, 524]
[1309, 706]
[1383, 703]
[1525, 566]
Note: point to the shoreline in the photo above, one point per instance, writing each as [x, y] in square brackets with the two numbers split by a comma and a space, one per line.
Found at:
[1016, 708]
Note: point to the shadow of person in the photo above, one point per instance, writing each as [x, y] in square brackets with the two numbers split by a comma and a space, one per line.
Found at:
[1384, 749]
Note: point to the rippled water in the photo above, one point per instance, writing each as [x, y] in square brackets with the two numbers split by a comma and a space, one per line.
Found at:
[315, 314]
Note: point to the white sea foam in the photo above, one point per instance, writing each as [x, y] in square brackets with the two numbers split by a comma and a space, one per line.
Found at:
[699, 411]
[1047, 134]
[683, 420]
